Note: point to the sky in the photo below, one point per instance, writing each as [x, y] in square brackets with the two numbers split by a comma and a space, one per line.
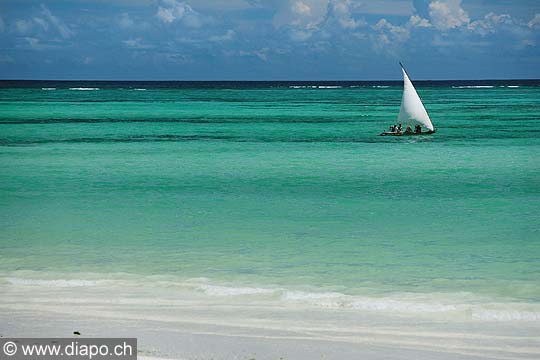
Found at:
[269, 39]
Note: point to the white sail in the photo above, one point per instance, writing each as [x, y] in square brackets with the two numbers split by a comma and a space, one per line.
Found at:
[412, 111]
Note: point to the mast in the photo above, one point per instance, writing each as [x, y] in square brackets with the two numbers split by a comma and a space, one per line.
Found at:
[404, 70]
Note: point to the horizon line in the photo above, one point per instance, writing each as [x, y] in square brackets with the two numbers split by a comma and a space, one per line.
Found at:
[274, 80]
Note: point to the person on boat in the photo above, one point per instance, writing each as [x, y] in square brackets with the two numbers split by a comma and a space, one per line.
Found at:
[390, 130]
[408, 130]
[400, 128]
[418, 129]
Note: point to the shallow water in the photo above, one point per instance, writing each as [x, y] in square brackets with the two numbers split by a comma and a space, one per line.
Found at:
[274, 185]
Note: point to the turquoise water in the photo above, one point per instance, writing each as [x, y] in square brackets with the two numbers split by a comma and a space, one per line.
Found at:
[274, 185]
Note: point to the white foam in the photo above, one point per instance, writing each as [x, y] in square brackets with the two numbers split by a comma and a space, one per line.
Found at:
[141, 89]
[462, 305]
[338, 300]
[473, 87]
[216, 290]
[48, 89]
[303, 87]
[512, 86]
[369, 304]
[505, 315]
[315, 87]
[381, 86]
[50, 283]
[302, 295]
[330, 300]
[417, 304]
[83, 89]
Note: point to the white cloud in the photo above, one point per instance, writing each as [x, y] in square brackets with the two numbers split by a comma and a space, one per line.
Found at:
[136, 43]
[489, 23]
[87, 60]
[173, 57]
[174, 10]
[389, 33]
[42, 23]
[341, 11]
[384, 7]
[300, 35]
[306, 14]
[193, 20]
[447, 14]
[261, 54]
[23, 26]
[417, 21]
[229, 35]
[125, 20]
[304, 18]
[535, 22]
[36, 44]
[526, 43]
[33, 42]
[301, 8]
[62, 28]
[228, 5]
[301, 18]
[168, 15]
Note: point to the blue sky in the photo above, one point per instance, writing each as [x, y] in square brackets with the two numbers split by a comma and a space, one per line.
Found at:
[269, 39]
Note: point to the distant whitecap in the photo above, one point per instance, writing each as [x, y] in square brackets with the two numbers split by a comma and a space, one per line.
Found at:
[473, 87]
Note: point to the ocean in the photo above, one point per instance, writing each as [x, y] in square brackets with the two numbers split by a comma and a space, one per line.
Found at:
[279, 191]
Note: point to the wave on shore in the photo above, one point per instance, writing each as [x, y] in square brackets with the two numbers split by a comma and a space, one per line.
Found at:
[447, 305]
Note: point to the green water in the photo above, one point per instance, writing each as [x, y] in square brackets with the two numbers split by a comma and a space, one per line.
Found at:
[275, 186]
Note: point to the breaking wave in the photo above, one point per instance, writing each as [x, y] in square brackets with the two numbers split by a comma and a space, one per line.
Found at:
[51, 283]
[315, 87]
[459, 305]
[473, 87]
[411, 304]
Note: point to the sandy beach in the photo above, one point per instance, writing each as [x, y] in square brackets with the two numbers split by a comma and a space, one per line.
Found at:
[185, 324]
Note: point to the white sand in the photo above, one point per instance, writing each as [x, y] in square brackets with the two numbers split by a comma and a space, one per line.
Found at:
[180, 324]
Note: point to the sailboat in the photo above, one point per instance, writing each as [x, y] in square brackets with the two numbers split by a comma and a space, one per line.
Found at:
[412, 112]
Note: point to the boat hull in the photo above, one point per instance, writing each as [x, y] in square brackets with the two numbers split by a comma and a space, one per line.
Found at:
[385, 133]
